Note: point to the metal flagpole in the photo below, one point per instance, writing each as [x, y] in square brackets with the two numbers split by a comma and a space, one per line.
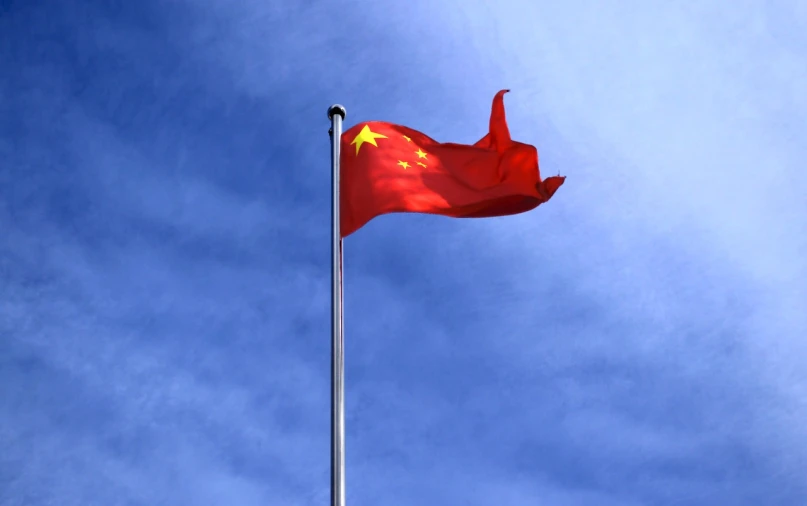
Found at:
[336, 113]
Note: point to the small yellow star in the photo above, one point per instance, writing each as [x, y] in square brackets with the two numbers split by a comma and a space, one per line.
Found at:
[403, 164]
[407, 139]
[420, 153]
[421, 164]
[366, 135]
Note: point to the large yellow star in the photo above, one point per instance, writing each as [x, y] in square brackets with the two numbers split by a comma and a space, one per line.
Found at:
[366, 135]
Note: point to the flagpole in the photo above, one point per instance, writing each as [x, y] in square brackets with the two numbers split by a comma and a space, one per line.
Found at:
[336, 113]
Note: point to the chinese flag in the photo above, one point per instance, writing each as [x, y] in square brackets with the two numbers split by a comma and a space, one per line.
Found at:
[388, 168]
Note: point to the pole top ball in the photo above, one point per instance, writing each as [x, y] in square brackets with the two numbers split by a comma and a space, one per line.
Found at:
[336, 109]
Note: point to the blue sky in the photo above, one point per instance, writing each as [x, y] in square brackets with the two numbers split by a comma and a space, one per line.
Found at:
[164, 282]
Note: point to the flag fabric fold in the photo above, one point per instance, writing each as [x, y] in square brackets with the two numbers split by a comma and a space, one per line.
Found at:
[388, 168]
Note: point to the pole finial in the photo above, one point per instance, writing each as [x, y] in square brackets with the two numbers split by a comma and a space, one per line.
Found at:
[336, 109]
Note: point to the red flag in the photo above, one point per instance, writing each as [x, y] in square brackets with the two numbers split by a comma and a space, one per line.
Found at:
[387, 168]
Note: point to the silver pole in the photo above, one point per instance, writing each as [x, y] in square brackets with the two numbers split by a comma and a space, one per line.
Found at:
[336, 113]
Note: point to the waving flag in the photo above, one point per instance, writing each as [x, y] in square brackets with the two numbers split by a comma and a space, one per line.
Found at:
[388, 168]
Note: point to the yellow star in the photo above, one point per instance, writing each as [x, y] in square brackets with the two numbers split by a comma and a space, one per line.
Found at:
[366, 135]
[420, 153]
[405, 165]
[407, 139]
[421, 164]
